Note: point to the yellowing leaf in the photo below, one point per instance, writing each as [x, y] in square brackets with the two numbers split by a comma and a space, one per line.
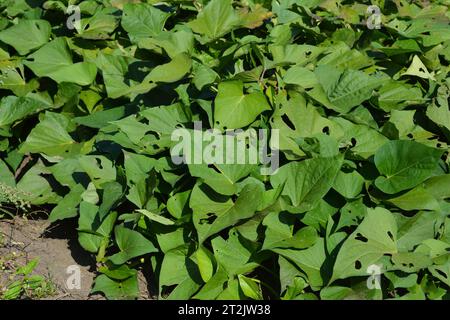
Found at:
[254, 18]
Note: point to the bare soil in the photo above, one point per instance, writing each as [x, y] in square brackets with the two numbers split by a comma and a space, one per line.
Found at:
[57, 247]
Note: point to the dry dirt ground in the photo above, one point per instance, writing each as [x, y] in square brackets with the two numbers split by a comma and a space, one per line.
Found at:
[57, 248]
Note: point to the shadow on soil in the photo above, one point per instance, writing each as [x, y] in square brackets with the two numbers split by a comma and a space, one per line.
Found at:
[67, 230]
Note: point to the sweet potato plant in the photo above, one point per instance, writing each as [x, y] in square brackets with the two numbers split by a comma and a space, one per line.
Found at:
[357, 93]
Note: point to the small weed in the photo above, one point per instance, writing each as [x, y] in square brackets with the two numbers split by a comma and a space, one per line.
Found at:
[14, 199]
[21, 283]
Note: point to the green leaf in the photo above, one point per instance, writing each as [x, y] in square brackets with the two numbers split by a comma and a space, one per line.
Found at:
[15, 109]
[211, 216]
[13, 291]
[173, 42]
[234, 109]
[349, 184]
[67, 207]
[173, 71]
[28, 268]
[99, 169]
[179, 269]
[297, 120]
[92, 235]
[250, 287]
[134, 129]
[50, 136]
[100, 25]
[373, 238]
[156, 217]
[301, 76]
[347, 89]
[401, 125]
[127, 289]
[12, 77]
[418, 69]
[290, 278]
[205, 262]
[142, 20]
[234, 254]
[231, 292]
[101, 119]
[335, 293]
[299, 54]
[165, 119]
[184, 290]
[404, 165]
[177, 203]
[36, 187]
[131, 244]
[401, 282]
[225, 181]
[112, 194]
[398, 95]
[364, 141]
[6, 176]
[214, 286]
[215, 20]
[27, 35]
[441, 271]
[439, 112]
[306, 182]
[410, 261]
[203, 75]
[54, 60]
[309, 261]
[122, 272]
[116, 77]
[279, 233]
[429, 195]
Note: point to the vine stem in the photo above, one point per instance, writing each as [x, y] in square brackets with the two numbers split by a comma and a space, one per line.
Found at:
[23, 164]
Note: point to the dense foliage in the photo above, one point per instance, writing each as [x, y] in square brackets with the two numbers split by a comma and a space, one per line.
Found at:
[88, 108]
